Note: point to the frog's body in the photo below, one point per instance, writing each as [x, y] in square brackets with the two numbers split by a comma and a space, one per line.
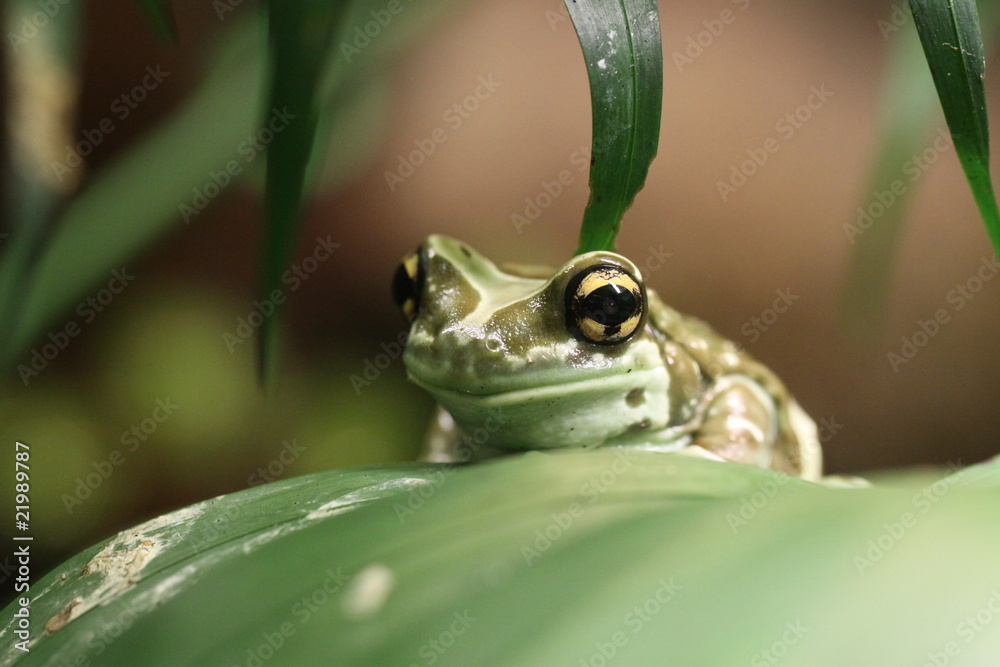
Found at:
[584, 358]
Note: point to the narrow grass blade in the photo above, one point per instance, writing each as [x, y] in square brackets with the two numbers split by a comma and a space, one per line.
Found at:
[300, 34]
[875, 227]
[161, 15]
[622, 48]
[910, 142]
[949, 31]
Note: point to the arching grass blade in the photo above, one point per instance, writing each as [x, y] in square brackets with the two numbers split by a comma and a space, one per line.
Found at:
[949, 31]
[622, 48]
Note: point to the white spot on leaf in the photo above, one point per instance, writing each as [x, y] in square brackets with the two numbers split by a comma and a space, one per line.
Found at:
[367, 593]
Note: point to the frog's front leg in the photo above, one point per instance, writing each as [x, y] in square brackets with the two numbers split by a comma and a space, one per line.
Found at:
[737, 422]
[445, 442]
[740, 421]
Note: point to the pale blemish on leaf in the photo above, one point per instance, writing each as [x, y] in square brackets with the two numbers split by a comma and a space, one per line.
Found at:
[367, 592]
[119, 565]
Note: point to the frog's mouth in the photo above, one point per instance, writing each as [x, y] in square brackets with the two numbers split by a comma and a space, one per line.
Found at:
[581, 413]
[605, 385]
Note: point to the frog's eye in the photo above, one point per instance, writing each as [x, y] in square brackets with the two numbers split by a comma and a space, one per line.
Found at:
[604, 304]
[407, 284]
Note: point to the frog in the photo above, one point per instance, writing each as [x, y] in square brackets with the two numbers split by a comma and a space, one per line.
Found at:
[524, 358]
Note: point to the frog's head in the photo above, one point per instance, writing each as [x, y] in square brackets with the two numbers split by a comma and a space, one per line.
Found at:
[564, 361]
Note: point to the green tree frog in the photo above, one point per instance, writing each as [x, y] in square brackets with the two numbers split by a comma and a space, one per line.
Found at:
[585, 356]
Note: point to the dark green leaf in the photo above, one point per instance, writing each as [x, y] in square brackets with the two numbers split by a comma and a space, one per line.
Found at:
[622, 49]
[949, 32]
[161, 15]
[119, 214]
[43, 80]
[300, 33]
[540, 559]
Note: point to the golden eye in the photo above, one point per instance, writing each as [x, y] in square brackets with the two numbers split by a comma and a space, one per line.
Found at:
[407, 284]
[604, 305]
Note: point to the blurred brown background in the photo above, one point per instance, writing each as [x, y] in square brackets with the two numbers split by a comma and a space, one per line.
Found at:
[782, 230]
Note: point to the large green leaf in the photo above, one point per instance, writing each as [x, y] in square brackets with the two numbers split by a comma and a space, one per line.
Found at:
[622, 48]
[949, 32]
[586, 557]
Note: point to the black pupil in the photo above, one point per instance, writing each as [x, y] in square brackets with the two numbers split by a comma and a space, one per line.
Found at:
[404, 288]
[610, 305]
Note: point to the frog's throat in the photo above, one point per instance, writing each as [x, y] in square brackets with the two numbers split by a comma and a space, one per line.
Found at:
[583, 413]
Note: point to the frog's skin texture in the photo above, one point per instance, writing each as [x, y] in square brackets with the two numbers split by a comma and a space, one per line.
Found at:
[508, 359]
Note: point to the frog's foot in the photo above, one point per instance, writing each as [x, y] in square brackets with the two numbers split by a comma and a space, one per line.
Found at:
[738, 422]
[446, 443]
[699, 452]
[844, 482]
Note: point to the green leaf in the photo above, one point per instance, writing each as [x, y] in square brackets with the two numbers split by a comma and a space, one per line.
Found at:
[119, 215]
[161, 15]
[949, 32]
[622, 48]
[909, 108]
[300, 33]
[538, 559]
[42, 82]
